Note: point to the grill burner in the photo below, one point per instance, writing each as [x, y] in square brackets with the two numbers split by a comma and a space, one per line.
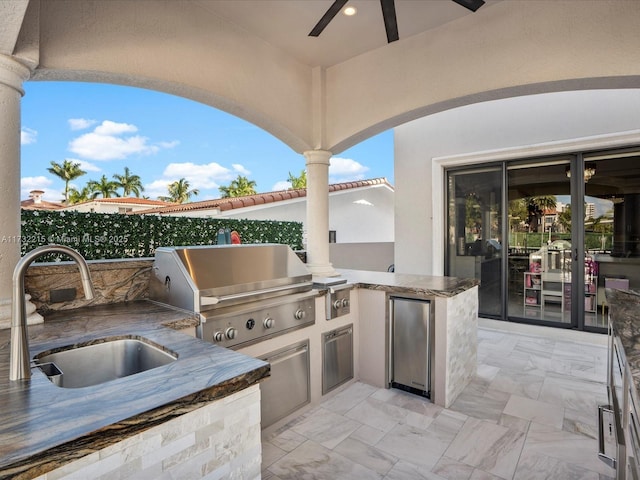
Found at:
[243, 293]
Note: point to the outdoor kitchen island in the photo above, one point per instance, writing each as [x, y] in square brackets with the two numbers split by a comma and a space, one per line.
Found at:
[198, 414]
[455, 327]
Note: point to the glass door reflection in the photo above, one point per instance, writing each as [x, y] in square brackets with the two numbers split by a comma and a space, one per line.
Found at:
[474, 233]
[539, 245]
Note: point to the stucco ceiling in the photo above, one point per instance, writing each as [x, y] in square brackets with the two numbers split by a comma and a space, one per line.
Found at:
[286, 24]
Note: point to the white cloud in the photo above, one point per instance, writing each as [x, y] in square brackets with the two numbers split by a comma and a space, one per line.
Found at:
[240, 169]
[40, 183]
[81, 123]
[157, 189]
[87, 166]
[200, 176]
[114, 128]
[111, 141]
[28, 136]
[346, 170]
[171, 144]
[281, 185]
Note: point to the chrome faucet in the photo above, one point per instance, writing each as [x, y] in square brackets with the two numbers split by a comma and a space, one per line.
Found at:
[20, 363]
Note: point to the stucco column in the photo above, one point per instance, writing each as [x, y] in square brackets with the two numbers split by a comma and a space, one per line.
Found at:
[318, 212]
[12, 76]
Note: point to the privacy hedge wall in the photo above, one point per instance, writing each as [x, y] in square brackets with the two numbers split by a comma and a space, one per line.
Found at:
[101, 236]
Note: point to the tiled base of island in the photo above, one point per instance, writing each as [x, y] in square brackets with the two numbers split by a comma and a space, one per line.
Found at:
[220, 440]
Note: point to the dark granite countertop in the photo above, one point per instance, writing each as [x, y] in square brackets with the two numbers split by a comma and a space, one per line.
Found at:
[624, 307]
[423, 285]
[45, 426]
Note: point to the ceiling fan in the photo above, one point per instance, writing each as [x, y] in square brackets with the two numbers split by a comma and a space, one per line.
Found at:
[388, 13]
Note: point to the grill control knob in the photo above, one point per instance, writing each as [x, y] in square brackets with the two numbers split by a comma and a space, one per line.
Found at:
[268, 322]
[300, 314]
[337, 304]
[230, 333]
[345, 302]
[218, 336]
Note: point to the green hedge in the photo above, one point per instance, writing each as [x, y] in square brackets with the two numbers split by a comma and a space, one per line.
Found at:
[100, 236]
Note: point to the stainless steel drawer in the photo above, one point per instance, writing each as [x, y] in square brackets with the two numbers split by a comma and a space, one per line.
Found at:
[288, 387]
[337, 357]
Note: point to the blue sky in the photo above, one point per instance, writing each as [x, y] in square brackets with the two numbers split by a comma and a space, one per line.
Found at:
[162, 138]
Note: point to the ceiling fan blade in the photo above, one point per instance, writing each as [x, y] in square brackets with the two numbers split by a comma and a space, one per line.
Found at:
[327, 17]
[390, 21]
[472, 5]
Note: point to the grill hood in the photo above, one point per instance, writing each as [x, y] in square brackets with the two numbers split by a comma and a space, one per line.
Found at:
[199, 278]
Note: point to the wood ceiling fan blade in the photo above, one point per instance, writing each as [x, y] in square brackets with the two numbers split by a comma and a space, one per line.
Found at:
[390, 21]
[472, 5]
[327, 17]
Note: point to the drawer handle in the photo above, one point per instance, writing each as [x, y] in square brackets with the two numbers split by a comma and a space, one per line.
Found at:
[601, 454]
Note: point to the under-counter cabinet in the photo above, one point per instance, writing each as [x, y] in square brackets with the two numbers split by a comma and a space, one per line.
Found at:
[337, 358]
[289, 386]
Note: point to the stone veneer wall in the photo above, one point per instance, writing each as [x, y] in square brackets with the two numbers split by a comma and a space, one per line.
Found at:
[461, 343]
[221, 440]
[115, 281]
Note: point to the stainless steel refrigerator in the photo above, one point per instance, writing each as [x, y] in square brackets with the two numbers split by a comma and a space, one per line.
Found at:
[411, 345]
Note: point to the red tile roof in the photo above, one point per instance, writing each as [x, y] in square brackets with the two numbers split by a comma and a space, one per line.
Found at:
[30, 204]
[130, 201]
[224, 204]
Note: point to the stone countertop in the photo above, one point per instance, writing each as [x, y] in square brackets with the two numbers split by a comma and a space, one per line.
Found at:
[422, 285]
[45, 426]
[624, 306]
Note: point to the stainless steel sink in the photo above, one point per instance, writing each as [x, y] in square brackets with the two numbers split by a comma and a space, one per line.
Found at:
[101, 360]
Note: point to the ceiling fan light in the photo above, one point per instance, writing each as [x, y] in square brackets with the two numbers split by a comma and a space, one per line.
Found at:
[350, 11]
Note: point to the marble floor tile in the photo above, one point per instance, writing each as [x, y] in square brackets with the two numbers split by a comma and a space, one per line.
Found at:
[409, 401]
[452, 469]
[536, 346]
[286, 440]
[312, 461]
[534, 466]
[326, 428]
[366, 455]
[404, 470]
[377, 414]
[489, 447]
[535, 411]
[575, 449]
[488, 406]
[418, 447]
[347, 399]
[480, 475]
[529, 413]
[516, 423]
[270, 453]
[523, 384]
[368, 435]
[573, 393]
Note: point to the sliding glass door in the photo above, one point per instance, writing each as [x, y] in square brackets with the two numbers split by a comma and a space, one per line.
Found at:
[547, 237]
[611, 228]
[475, 233]
[539, 247]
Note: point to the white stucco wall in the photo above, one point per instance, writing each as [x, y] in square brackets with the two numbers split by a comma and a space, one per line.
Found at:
[521, 127]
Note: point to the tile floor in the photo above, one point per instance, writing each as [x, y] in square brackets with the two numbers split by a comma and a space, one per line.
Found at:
[529, 413]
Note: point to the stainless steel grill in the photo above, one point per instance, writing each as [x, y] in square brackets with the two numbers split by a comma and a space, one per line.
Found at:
[243, 293]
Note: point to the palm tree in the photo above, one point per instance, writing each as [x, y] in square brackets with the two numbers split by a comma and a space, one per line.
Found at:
[536, 207]
[129, 183]
[66, 171]
[79, 196]
[106, 188]
[179, 192]
[298, 182]
[239, 187]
